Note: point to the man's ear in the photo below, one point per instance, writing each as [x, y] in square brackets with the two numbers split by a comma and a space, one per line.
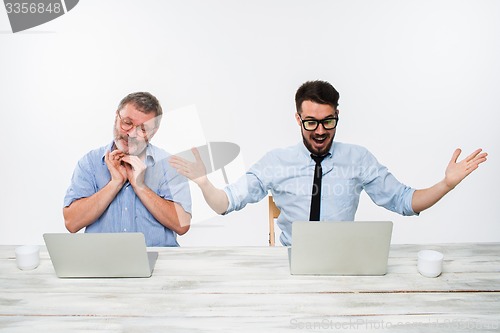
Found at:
[153, 133]
[157, 121]
[297, 118]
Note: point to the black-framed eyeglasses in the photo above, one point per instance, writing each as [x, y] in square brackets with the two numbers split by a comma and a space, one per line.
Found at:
[312, 124]
[141, 129]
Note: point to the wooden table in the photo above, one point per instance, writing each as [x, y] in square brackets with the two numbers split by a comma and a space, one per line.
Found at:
[249, 289]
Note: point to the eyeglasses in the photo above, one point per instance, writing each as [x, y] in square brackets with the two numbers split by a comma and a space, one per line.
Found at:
[127, 125]
[312, 124]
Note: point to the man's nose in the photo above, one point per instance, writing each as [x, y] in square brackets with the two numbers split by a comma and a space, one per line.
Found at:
[320, 129]
[132, 132]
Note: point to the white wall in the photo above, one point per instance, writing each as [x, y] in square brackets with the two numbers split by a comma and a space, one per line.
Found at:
[417, 79]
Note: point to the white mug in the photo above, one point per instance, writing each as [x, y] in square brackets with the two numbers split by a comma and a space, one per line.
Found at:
[430, 263]
[27, 257]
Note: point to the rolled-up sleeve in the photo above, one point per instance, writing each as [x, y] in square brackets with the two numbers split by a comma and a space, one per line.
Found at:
[247, 189]
[384, 189]
[176, 188]
[82, 182]
[252, 187]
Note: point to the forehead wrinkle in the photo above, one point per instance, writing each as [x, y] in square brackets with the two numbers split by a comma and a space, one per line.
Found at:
[135, 115]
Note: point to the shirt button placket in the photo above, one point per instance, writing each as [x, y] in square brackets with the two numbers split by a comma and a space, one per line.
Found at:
[126, 218]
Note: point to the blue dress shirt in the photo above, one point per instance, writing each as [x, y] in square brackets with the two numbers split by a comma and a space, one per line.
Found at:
[288, 174]
[126, 213]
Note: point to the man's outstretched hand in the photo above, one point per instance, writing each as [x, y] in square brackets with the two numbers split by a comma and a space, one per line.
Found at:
[457, 171]
[195, 171]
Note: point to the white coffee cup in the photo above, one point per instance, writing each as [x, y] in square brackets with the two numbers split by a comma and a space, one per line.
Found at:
[430, 263]
[27, 257]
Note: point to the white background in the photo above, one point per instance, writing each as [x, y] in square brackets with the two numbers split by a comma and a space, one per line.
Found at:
[417, 79]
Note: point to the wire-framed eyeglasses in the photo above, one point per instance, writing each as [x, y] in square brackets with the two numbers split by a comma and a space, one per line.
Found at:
[141, 130]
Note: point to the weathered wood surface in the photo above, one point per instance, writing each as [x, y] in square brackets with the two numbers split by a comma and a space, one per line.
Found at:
[249, 289]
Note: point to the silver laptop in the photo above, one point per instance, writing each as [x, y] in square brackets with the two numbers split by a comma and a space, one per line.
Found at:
[100, 255]
[340, 248]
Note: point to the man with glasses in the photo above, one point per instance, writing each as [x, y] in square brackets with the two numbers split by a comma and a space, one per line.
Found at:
[128, 185]
[319, 179]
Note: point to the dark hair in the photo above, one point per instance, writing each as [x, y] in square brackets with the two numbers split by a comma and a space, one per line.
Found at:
[320, 92]
[143, 101]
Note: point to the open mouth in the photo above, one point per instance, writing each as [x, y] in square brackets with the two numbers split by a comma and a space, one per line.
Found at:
[319, 139]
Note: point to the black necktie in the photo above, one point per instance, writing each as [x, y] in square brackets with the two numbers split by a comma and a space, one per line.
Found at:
[316, 188]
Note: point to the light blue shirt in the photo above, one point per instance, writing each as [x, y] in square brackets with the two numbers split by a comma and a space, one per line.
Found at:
[126, 213]
[288, 174]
